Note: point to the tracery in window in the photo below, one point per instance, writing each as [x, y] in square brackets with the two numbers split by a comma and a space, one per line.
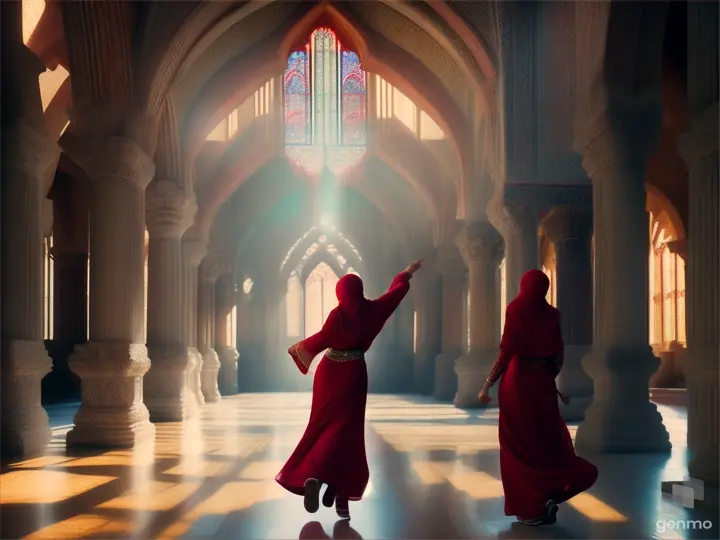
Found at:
[325, 105]
[666, 277]
[392, 103]
[323, 243]
[294, 306]
[48, 289]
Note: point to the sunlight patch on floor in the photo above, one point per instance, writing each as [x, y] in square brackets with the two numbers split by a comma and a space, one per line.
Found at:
[595, 509]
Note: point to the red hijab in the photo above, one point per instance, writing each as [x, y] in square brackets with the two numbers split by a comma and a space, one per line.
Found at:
[532, 326]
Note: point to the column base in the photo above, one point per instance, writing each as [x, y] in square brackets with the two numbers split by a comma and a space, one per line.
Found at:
[575, 384]
[195, 382]
[166, 387]
[621, 417]
[24, 428]
[472, 370]
[446, 382]
[209, 376]
[112, 413]
[227, 379]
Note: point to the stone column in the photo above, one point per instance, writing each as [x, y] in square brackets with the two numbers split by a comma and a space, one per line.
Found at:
[167, 386]
[194, 250]
[522, 247]
[453, 270]
[209, 270]
[699, 148]
[621, 417]
[112, 364]
[225, 302]
[481, 247]
[429, 305]
[570, 230]
[28, 157]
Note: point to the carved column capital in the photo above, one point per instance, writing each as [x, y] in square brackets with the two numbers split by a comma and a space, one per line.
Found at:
[27, 149]
[702, 140]
[194, 251]
[210, 269]
[450, 263]
[519, 219]
[619, 139]
[567, 223]
[110, 158]
[169, 209]
[480, 242]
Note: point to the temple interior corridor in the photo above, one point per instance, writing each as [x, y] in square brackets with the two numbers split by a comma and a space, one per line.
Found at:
[434, 474]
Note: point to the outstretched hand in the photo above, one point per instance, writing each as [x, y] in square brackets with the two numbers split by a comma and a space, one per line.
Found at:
[414, 266]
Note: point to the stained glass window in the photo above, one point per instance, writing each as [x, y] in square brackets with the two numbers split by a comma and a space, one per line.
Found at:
[325, 104]
[354, 97]
[297, 98]
[320, 297]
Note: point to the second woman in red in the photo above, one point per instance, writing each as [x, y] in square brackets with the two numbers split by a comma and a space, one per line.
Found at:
[332, 450]
[538, 465]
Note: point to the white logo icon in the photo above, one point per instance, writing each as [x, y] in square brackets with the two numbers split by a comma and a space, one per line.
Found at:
[688, 492]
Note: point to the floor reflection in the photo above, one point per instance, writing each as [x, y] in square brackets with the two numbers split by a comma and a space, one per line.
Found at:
[434, 474]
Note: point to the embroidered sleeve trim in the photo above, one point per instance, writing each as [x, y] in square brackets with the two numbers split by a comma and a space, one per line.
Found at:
[301, 357]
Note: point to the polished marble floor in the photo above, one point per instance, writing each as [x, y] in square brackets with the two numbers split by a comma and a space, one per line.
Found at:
[434, 474]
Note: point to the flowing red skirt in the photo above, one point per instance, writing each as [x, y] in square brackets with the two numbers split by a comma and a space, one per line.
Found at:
[537, 458]
[332, 448]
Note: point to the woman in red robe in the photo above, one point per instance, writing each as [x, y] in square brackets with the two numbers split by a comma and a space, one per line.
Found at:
[332, 450]
[538, 465]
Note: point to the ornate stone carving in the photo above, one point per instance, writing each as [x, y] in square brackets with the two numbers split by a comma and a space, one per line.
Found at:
[110, 158]
[27, 149]
[194, 250]
[520, 219]
[227, 378]
[167, 385]
[480, 242]
[169, 209]
[112, 413]
[210, 269]
[25, 429]
[209, 375]
[702, 139]
[567, 223]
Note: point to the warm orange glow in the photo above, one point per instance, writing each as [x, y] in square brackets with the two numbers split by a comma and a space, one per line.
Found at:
[50, 83]
[477, 484]
[83, 525]
[32, 11]
[596, 510]
[58, 485]
[261, 470]
[153, 497]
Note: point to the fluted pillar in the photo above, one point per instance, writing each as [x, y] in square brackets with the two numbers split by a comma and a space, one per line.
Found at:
[621, 417]
[167, 386]
[194, 249]
[522, 247]
[28, 158]
[452, 269]
[225, 302]
[209, 271]
[428, 311]
[481, 247]
[570, 230]
[112, 364]
[699, 148]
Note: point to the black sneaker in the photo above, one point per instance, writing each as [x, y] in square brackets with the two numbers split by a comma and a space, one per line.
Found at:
[551, 510]
[312, 495]
[328, 498]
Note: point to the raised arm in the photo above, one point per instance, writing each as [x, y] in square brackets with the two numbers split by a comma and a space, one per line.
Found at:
[305, 351]
[389, 301]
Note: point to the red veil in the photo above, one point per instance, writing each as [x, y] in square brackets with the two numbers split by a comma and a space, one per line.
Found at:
[532, 326]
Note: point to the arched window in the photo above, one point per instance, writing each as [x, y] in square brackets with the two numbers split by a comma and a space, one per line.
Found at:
[294, 305]
[319, 299]
[258, 105]
[48, 289]
[667, 287]
[392, 103]
[325, 105]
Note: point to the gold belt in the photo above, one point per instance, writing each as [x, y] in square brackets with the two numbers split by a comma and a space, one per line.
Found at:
[344, 356]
